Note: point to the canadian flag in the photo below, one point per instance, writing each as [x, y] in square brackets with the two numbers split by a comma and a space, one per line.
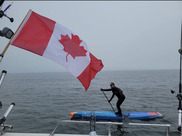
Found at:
[49, 39]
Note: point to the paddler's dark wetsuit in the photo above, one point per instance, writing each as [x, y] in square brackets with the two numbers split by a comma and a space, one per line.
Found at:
[121, 97]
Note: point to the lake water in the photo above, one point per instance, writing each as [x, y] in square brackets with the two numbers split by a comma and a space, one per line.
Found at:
[43, 99]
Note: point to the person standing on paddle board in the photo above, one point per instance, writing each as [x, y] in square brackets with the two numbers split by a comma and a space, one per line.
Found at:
[119, 93]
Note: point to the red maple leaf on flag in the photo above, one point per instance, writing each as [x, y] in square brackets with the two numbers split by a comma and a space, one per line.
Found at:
[72, 46]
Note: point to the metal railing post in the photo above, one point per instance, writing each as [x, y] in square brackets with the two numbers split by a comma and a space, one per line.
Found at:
[109, 128]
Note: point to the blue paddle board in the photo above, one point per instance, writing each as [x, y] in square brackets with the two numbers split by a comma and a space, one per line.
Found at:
[110, 115]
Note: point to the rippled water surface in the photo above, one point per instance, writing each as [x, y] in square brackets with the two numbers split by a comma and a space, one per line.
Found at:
[43, 99]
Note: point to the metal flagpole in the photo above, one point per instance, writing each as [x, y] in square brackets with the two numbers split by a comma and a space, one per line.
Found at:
[179, 96]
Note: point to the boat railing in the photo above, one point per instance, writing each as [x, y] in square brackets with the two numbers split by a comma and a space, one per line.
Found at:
[112, 123]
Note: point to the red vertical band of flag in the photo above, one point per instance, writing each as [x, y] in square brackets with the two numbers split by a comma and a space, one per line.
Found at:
[35, 34]
[89, 73]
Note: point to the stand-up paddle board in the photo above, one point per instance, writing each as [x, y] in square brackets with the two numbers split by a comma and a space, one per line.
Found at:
[110, 115]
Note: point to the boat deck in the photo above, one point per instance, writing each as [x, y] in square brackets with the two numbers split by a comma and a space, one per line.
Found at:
[40, 134]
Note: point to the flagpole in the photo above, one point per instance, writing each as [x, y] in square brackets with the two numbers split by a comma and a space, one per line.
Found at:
[5, 49]
[179, 96]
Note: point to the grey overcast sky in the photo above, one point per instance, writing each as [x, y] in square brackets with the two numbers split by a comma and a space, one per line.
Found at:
[125, 35]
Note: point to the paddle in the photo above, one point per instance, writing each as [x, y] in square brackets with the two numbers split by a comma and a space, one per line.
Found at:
[108, 101]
